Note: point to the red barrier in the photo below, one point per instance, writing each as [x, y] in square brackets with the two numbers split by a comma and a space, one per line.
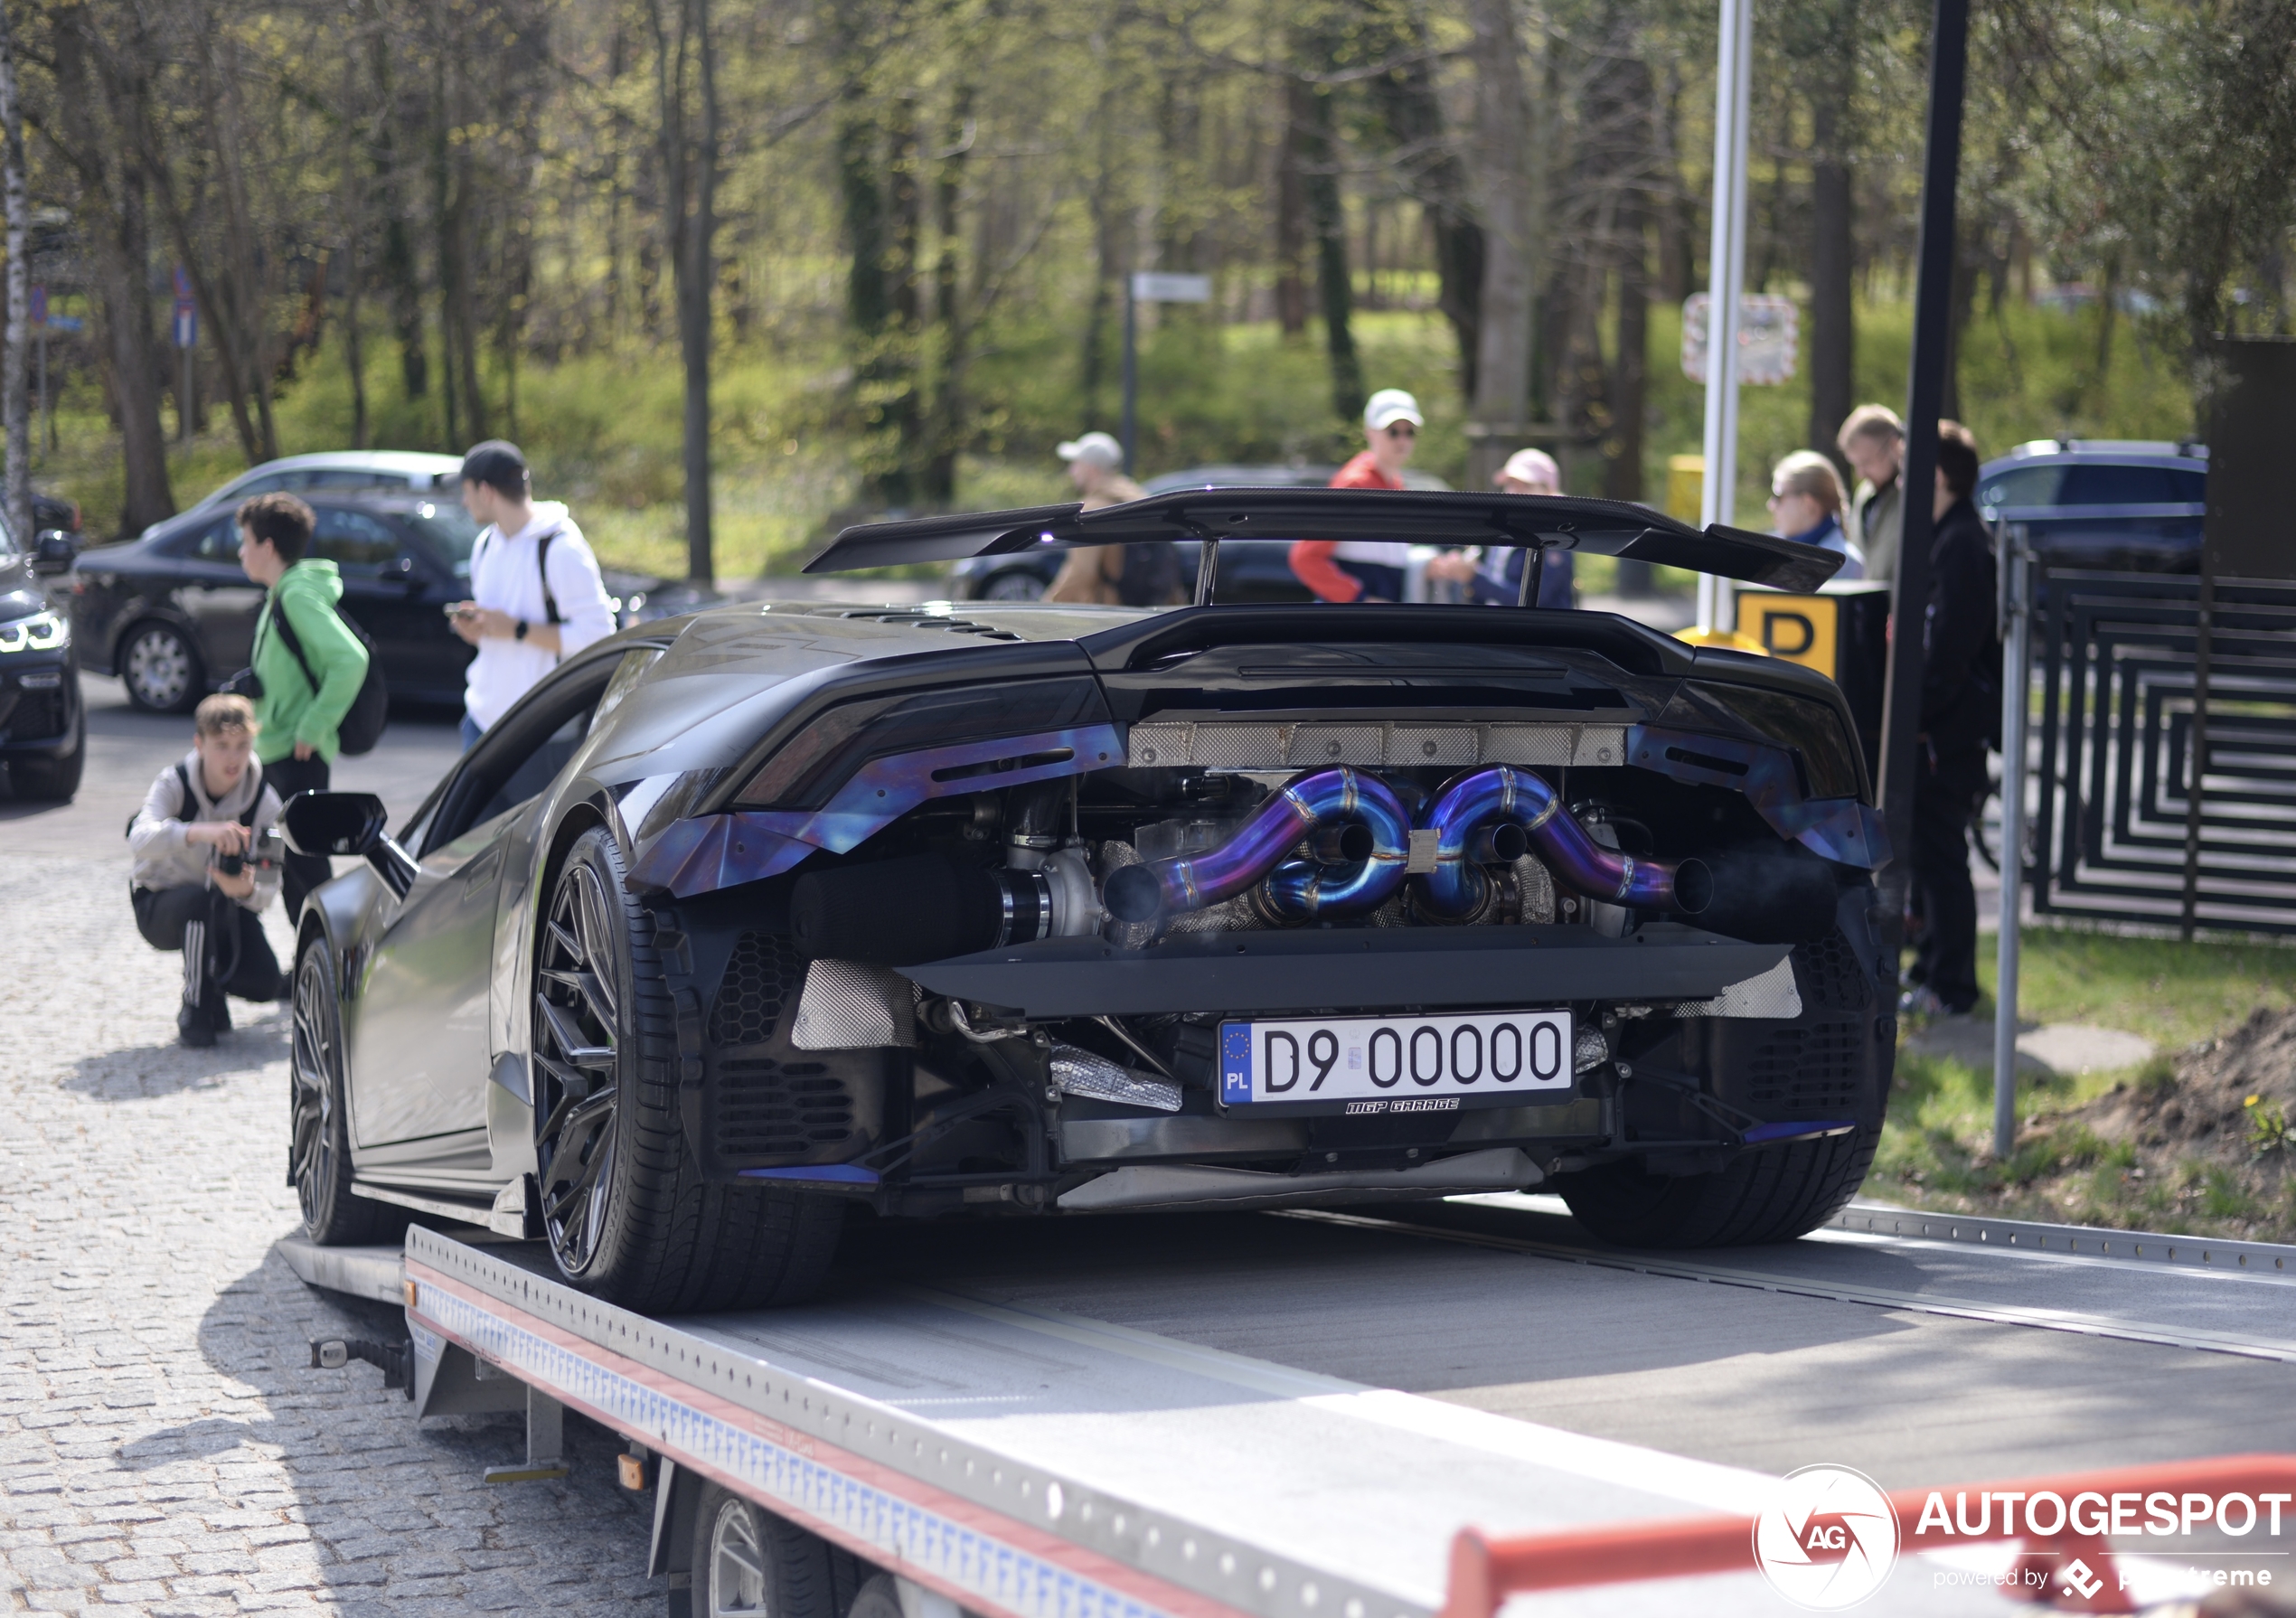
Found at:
[1485, 1572]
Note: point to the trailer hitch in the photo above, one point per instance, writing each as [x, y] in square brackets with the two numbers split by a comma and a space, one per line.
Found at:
[395, 1358]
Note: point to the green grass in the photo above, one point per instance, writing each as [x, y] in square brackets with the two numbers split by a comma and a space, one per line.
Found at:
[2172, 993]
[1936, 1148]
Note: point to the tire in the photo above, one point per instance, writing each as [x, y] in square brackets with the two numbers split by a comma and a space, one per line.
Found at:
[1014, 584]
[319, 1134]
[746, 1560]
[160, 669]
[1771, 1194]
[52, 780]
[624, 1207]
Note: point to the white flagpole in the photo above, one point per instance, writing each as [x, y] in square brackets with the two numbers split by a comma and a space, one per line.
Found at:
[1725, 281]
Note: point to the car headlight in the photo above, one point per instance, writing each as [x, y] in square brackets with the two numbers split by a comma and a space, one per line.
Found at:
[42, 631]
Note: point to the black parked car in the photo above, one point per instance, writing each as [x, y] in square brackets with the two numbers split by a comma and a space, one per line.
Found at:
[2120, 505]
[171, 614]
[42, 730]
[1249, 570]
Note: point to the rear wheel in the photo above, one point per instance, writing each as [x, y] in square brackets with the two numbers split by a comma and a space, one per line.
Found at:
[1773, 1194]
[319, 1152]
[161, 669]
[624, 1207]
[749, 1561]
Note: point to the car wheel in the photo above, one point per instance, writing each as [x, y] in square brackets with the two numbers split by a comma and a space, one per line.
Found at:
[162, 669]
[746, 1560]
[52, 780]
[626, 1212]
[319, 1150]
[1014, 584]
[1773, 1194]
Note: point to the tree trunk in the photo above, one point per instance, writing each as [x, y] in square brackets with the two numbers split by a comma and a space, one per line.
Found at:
[1503, 188]
[1434, 175]
[1291, 209]
[696, 281]
[948, 405]
[117, 235]
[15, 367]
[1832, 266]
[1328, 219]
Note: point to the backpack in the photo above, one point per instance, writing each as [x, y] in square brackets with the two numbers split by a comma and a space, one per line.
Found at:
[1151, 575]
[361, 724]
[191, 802]
[542, 566]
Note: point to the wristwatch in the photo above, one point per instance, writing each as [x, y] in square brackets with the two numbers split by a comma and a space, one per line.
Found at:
[519, 634]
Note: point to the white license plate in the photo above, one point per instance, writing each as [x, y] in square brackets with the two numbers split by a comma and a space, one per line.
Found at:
[1394, 1064]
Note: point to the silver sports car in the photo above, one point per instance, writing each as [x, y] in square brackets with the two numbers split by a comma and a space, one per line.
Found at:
[742, 918]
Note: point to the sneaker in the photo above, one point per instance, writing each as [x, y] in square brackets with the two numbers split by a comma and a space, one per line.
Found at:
[1922, 1002]
[195, 1030]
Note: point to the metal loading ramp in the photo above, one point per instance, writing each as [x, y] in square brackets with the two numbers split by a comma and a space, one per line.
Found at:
[1027, 1462]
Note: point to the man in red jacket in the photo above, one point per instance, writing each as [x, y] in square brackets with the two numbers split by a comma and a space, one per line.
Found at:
[1366, 570]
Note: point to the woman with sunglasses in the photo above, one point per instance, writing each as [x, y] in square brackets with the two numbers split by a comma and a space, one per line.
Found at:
[1805, 506]
[1366, 570]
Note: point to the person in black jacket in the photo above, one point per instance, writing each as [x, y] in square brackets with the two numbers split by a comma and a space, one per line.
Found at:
[1961, 713]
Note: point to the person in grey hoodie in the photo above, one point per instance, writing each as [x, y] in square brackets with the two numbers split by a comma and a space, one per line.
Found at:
[197, 884]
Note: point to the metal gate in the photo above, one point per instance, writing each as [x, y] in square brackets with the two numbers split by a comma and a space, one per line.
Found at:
[2116, 836]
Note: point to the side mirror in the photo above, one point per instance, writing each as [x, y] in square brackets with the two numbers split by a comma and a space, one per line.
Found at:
[334, 823]
[347, 822]
[52, 552]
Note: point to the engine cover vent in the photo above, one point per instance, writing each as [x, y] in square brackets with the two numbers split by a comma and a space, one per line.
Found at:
[1249, 745]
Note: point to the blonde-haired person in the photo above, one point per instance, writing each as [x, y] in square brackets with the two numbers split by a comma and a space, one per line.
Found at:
[193, 885]
[1805, 506]
[1873, 441]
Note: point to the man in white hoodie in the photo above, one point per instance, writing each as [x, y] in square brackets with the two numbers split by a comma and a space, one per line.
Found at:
[197, 884]
[536, 597]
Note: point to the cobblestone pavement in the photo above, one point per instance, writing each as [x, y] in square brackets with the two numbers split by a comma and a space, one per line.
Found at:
[163, 1447]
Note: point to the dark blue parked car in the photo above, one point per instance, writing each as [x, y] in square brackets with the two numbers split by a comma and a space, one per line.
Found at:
[2120, 505]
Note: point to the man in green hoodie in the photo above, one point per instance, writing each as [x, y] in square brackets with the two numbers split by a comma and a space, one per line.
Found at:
[297, 712]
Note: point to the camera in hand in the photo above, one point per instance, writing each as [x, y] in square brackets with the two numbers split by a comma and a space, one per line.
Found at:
[264, 852]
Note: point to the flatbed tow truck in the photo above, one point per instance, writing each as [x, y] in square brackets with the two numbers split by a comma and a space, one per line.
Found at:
[942, 1441]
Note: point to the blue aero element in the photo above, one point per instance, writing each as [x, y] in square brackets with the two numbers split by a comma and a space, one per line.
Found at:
[818, 1174]
[1235, 1062]
[1768, 1133]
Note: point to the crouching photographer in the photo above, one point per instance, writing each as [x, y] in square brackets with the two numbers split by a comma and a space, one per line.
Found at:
[206, 863]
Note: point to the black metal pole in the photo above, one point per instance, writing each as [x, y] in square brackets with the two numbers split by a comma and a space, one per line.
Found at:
[2197, 740]
[1924, 396]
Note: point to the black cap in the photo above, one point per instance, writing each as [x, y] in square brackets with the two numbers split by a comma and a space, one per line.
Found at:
[498, 465]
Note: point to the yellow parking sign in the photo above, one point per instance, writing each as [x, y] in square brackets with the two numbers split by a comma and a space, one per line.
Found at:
[1804, 629]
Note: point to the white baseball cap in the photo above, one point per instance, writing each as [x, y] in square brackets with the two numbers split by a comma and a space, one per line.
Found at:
[1097, 450]
[1388, 406]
